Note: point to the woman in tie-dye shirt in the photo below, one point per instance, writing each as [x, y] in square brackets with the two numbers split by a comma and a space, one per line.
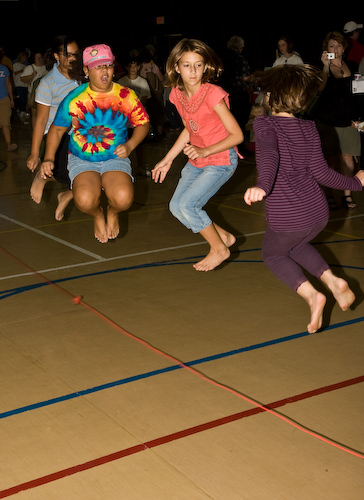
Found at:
[99, 113]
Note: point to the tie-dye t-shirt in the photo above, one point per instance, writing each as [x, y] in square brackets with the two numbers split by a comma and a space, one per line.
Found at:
[99, 121]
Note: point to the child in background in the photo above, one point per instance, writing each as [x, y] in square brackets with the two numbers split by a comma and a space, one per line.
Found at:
[291, 167]
[140, 86]
[209, 140]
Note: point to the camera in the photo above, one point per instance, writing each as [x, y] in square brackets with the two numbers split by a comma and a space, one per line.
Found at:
[331, 55]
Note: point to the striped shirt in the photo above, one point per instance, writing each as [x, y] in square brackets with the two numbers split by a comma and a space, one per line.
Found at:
[291, 167]
[52, 89]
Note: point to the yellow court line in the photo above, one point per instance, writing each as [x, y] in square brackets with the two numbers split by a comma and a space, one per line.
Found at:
[245, 210]
[344, 234]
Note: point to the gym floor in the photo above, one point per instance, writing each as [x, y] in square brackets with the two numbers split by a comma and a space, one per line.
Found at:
[126, 374]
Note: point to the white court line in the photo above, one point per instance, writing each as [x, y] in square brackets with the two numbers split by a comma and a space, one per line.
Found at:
[136, 254]
[54, 238]
[101, 259]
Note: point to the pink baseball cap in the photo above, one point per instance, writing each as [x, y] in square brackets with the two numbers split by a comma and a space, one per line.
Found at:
[96, 55]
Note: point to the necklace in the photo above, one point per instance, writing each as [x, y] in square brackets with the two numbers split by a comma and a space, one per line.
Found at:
[192, 105]
[339, 68]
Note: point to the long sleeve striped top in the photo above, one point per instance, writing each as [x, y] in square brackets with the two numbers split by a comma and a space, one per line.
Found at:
[291, 170]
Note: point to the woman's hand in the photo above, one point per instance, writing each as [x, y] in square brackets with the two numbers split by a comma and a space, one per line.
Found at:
[123, 150]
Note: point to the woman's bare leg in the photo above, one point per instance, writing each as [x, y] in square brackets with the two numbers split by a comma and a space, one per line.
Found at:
[63, 200]
[119, 191]
[87, 193]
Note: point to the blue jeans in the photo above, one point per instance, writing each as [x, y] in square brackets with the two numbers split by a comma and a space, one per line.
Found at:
[194, 189]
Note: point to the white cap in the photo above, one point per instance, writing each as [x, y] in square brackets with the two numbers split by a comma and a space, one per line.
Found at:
[352, 26]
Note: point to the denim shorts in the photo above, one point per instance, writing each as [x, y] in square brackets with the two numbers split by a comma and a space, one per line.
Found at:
[77, 166]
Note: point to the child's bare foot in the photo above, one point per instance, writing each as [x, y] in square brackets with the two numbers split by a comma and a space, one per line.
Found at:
[63, 199]
[37, 187]
[342, 293]
[212, 260]
[317, 307]
[316, 302]
[339, 288]
[100, 228]
[112, 224]
[227, 238]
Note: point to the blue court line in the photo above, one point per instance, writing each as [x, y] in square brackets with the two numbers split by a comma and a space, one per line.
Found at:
[186, 260]
[168, 369]
[4, 294]
[172, 262]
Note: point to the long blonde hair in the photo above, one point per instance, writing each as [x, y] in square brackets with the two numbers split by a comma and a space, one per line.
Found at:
[212, 61]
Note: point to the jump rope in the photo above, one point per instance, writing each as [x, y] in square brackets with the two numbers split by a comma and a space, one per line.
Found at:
[78, 300]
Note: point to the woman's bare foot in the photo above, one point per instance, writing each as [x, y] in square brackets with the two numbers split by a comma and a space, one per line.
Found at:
[37, 187]
[100, 227]
[316, 302]
[112, 224]
[63, 200]
[212, 260]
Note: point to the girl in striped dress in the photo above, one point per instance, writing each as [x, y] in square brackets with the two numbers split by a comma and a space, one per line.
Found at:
[291, 167]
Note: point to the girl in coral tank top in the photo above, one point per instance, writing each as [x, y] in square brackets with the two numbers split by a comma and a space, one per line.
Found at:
[209, 141]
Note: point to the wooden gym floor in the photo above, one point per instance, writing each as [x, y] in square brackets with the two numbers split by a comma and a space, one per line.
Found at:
[126, 374]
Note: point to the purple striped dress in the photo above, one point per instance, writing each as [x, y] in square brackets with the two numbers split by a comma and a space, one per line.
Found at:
[291, 168]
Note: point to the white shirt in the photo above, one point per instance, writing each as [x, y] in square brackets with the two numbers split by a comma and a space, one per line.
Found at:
[294, 59]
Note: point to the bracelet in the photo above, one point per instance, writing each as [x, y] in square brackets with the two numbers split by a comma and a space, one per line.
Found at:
[52, 161]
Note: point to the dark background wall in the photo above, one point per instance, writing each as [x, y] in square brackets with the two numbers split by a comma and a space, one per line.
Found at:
[34, 23]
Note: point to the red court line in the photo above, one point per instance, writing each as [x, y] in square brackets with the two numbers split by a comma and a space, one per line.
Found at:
[174, 436]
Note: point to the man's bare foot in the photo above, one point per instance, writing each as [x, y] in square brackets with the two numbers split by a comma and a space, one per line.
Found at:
[112, 224]
[342, 293]
[212, 260]
[63, 200]
[317, 305]
[100, 227]
[37, 187]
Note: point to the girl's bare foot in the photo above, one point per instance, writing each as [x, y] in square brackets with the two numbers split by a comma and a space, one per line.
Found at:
[317, 307]
[100, 227]
[63, 199]
[227, 238]
[339, 288]
[316, 302]
[212, 260]
[37, 187]
[342, 293]
[112, 224]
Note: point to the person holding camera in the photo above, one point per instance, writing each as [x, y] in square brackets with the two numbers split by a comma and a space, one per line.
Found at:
[337, 111]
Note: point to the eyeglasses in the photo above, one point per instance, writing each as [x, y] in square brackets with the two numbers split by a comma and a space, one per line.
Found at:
[102, 66]
[69, 55]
